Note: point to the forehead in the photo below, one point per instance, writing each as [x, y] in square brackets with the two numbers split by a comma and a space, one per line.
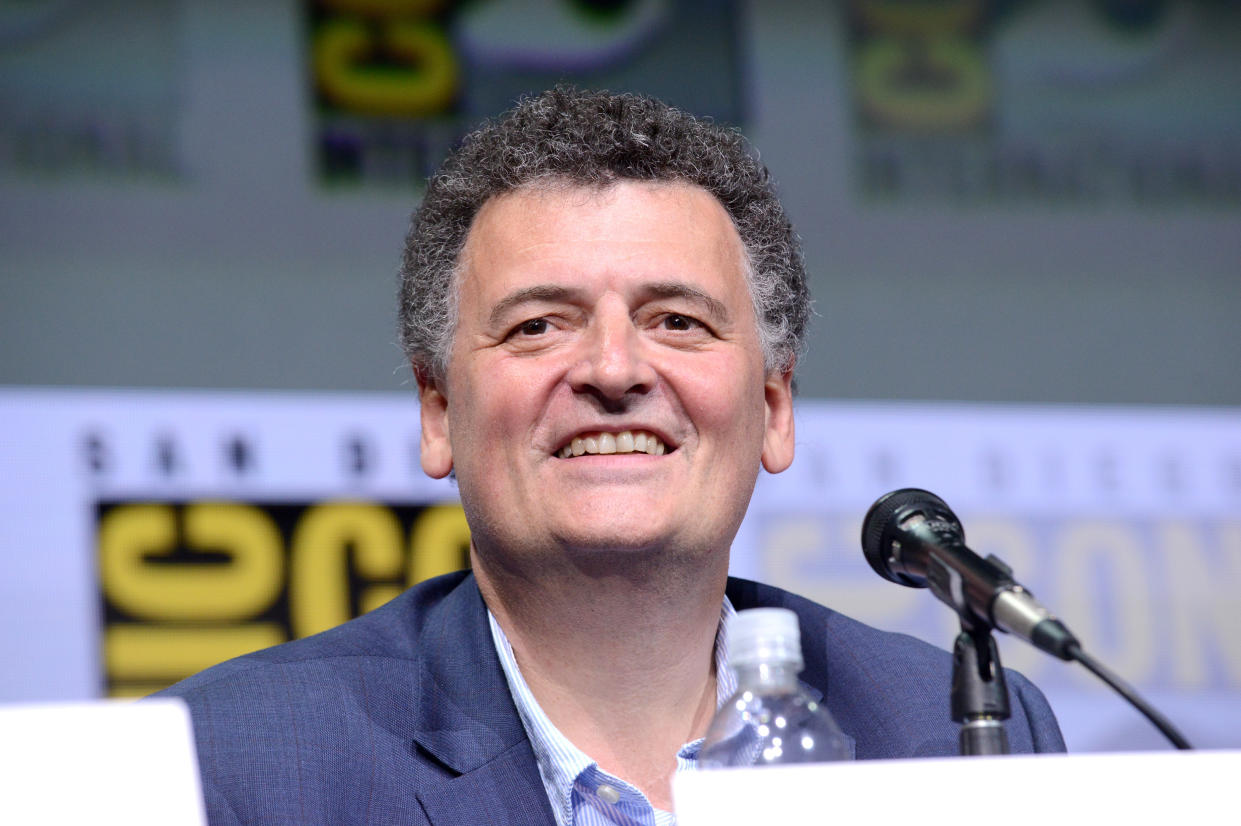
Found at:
[612, 236]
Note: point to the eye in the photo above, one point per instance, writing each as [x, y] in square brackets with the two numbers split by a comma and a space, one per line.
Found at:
[676, 321]
[532, 327]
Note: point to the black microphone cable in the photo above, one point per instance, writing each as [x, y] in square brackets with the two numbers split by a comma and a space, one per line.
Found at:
[1129, 693]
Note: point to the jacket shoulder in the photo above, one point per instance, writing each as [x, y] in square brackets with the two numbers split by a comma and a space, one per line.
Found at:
[322, 729]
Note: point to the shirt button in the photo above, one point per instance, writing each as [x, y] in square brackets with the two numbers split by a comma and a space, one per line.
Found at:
[607, 794]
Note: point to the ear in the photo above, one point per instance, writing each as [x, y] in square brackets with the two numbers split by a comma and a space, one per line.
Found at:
[435, 446]
[778, 436]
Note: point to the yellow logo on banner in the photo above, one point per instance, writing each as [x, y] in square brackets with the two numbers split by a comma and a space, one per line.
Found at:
[186, 585]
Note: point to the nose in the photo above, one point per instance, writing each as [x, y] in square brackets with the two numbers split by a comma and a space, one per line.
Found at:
[613, 363]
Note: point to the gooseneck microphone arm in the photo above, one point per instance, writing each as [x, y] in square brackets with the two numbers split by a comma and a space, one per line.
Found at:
[911, 537]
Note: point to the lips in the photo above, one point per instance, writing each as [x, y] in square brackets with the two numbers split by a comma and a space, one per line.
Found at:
[602, 442]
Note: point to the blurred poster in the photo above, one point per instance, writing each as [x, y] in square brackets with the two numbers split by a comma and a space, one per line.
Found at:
[1048, 102]
[396, 83]
[91, 88]
[148, 535]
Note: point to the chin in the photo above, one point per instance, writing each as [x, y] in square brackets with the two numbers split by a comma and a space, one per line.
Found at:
[626, 542]
[632, 542]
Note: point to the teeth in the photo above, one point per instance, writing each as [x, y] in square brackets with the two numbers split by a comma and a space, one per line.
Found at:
[605, 443]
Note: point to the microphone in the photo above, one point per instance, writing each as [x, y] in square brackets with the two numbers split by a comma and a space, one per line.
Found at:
[911, 537]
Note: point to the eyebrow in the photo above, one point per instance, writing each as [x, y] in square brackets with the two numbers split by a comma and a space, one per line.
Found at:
[539, 292]
[555, 293]
[676, 289]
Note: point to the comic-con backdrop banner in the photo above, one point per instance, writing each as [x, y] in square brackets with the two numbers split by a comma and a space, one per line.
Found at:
[957, 101]
[147, 535]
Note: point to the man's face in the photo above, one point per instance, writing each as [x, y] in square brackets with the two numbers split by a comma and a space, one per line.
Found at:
[606, 389]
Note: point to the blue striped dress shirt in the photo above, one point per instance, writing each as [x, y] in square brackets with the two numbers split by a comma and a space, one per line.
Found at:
[581, 793]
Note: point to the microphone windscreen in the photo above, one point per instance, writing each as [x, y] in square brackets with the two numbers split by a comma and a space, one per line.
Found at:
[886, 517]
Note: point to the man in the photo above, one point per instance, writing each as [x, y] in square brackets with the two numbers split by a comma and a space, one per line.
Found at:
[603, 302]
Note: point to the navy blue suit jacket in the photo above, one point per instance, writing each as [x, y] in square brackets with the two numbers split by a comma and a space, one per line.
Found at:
[404, 715]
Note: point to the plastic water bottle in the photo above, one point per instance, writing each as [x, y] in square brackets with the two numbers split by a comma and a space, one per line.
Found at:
[771, 720]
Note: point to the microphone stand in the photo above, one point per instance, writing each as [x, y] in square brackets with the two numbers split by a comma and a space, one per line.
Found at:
[979, 693]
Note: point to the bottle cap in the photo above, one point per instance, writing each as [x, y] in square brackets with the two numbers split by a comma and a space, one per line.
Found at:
[764, 635]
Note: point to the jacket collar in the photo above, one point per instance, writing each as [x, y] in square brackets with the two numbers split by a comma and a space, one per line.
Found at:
[467, 721]
[465, 715]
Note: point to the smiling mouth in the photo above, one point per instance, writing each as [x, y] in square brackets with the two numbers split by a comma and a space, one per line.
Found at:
[627, 441]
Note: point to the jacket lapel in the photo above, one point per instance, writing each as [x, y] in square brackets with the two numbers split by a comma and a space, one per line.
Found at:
[498, 792]
[466, 720]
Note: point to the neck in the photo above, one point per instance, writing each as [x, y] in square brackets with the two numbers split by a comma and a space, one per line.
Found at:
[621, 658]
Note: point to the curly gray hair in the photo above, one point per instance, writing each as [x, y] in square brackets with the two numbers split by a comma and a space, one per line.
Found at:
[595, 139]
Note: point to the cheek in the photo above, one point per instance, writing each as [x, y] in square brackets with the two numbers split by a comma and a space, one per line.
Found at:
[498, 404]
[726, 399]
[476, 416]
[471, 422]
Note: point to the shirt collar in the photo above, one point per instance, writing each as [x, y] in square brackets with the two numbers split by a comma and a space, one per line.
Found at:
[560, 762]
